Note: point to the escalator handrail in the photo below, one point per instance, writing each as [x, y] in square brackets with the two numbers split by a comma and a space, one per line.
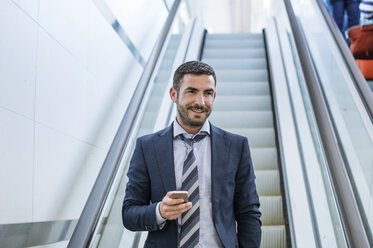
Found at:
[87, 223]
[352, 222]
[358, 78]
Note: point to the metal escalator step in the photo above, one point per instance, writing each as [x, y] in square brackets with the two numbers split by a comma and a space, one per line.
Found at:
[255, 36]
[145, 130]
[172, 46]
[258, 137]
[172, 49]
[242, 103]
[264, 158]
[169, 56]
[175, 37]
[233, 53]
[163, 77]
[160, 89]
[240, 63]
[242, 88]
[242, 119]
[241, 75]
[166, 64]
[271, 208]
[149, 119]
[268, 182]
[234, 43]
[154, 103]
[273, 237]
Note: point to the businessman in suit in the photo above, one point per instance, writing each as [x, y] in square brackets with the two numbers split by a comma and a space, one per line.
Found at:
[193, 155]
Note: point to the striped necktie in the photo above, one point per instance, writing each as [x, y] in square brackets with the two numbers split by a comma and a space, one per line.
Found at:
[189, 236]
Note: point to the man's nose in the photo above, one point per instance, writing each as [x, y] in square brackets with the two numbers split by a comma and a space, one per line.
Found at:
[200, 100]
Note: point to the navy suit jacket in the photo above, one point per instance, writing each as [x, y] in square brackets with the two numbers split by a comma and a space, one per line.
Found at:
[233, 193]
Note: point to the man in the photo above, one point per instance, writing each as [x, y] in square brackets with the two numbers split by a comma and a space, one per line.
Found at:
[214, 166]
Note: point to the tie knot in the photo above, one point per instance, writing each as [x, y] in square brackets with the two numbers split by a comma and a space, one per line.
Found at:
[196, 139]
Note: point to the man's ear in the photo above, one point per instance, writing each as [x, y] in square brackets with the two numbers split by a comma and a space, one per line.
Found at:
[173, 94]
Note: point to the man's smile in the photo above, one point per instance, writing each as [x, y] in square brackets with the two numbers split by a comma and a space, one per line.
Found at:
[197, 110]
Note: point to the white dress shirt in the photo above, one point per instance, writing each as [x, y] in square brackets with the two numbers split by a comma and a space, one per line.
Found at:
[202, 150]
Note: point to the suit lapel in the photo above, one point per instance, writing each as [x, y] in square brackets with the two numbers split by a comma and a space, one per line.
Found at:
[219, 155]
[164, 153]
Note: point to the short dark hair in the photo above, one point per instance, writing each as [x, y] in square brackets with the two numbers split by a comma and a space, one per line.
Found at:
[191, 67]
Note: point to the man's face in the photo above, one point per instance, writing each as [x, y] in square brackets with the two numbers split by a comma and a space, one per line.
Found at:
[194, 100]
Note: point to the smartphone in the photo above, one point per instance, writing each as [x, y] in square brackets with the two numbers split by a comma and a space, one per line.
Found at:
[180, 194]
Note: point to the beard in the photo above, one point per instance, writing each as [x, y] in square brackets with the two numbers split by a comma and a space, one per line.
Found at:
[187, 118]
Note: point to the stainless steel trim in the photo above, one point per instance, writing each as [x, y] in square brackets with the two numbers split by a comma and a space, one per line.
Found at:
[109, 16]
[301, 226]
[166, 5]
[350, 214]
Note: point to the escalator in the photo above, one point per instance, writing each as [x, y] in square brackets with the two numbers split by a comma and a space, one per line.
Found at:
[244, 106]
[263, 93]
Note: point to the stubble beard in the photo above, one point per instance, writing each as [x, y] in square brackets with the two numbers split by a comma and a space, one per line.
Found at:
[187, 120]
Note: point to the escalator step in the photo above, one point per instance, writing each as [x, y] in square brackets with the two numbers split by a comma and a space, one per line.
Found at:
[268, 182]
[242, 103]
[242, 119]
[233, 53]
[264, 158]
[234, 43]
[236, 36]
[238, 63]
[242, 88]
[271, 208]
[273, 237]
[242, 75]
[258, 137]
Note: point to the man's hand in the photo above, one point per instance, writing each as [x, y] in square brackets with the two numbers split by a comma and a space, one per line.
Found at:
[171, 209]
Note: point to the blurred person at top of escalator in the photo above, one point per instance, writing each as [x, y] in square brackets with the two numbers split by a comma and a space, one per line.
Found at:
[339, 8]
[363, 37]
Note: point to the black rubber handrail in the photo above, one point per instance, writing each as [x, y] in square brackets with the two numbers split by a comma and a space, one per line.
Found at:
[358, 78]
[89, 218]
[351, 219]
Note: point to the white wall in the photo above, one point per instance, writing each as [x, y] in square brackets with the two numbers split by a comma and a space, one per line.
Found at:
[231, 16]
[65, 81]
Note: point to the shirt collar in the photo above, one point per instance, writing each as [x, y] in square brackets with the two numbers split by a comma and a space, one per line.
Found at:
[179, 130]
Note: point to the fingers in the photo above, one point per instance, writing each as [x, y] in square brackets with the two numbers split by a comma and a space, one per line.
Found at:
[171, 209]
[173, 212]
[170, 201]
